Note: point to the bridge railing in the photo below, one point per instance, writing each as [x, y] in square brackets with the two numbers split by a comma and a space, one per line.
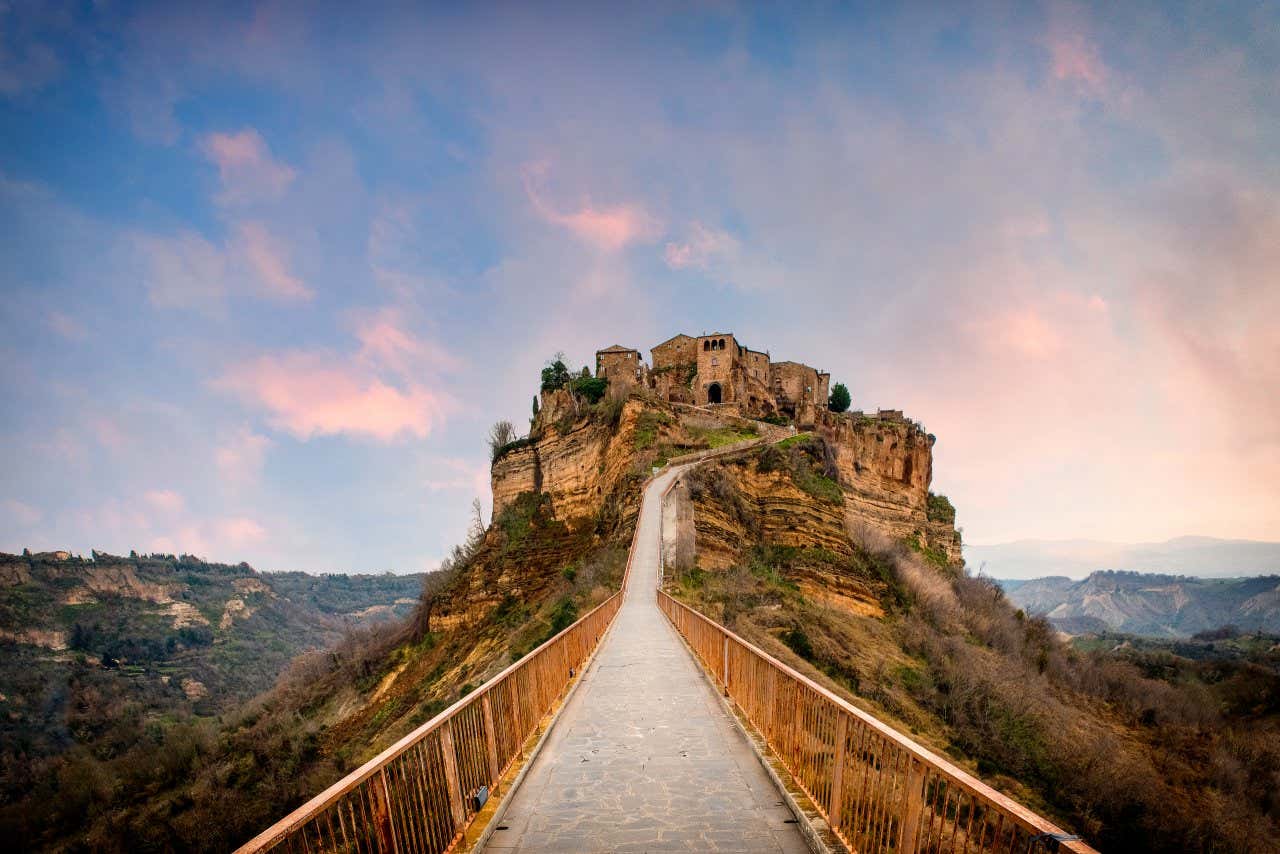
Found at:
[419, 795]
[877, 789]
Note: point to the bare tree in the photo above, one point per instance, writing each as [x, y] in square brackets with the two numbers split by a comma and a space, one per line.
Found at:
[501, 434]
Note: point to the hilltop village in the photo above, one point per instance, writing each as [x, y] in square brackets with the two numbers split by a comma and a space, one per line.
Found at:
[696, 391]
[718, 369]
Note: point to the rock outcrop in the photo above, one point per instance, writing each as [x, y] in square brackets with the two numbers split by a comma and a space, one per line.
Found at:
[885, 464]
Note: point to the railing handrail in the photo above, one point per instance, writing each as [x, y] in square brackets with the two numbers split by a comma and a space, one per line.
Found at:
[1029, 820]
[330, 795]
[327, 797]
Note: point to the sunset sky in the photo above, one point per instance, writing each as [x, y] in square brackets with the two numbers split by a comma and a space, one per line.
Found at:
[269, 272]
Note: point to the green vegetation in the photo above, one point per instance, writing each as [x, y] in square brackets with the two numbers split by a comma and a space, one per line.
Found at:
[940, 509]
[556, 375]
[840, 398]
[809, 461]
[718, 437]
[1138, 744]
[648, 425]
[110, 718]
[935, 556]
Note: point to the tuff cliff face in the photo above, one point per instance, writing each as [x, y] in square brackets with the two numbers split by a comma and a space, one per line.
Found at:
[885, 465]
[575, 459]
[875, 471]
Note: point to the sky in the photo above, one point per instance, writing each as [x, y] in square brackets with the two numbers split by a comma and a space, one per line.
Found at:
[268, 272]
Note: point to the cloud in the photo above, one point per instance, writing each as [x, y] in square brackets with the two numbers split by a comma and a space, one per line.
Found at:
[221, 538]
[240, 459]
[183, 271]
[267, 258]
[703, 247]
[246, 168]
[311, 394]
[379, 392]
[455, 474]
[188, 272]
[386, 341]
[608, 229]
[164, 501]
[1074, 58]
[21, 514]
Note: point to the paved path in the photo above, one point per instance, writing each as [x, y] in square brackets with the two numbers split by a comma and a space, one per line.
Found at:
[644, 757]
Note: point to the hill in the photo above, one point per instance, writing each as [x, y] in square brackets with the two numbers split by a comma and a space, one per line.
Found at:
[1204, 557]
[104, 656]
[1149, 604]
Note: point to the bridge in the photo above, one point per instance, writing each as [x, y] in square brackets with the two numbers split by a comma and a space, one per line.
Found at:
[647, 727]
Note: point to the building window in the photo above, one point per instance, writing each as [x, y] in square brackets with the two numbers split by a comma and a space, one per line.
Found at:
[714, 361]
[706, 345]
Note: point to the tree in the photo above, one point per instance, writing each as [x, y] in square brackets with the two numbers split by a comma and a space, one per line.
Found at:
[840, 398]
[501, 434]
[535, 406]
[556, 374]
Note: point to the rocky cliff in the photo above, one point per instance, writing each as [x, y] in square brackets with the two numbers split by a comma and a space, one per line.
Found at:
[885, 464]
[802, 493]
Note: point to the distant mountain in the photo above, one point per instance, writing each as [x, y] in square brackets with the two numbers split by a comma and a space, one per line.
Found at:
[97, 654]
[1203, 557]
[1149, 604]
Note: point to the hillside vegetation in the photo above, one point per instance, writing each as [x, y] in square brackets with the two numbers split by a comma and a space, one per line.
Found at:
[115, 663]
[1137, 749]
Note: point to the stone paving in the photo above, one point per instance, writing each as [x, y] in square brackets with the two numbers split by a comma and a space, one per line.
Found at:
[644, 757]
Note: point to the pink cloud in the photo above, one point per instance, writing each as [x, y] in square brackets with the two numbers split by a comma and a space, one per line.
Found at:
[609, 229]
[312, 394]
[164, 501]
[700, 248]
[1073, 55]
[267, 259]
[240, 459]
[245, 166]
[239, 531]
[1020, 332]
[386, 341]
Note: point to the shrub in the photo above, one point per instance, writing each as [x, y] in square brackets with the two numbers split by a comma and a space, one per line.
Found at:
[563, 615]
[799, 642]
[590, 388]
[940, 509]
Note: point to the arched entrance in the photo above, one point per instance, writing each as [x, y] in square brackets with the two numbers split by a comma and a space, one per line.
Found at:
[713, 393]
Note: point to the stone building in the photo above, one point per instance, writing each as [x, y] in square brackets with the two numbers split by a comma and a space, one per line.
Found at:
[620, 365]
[718, 370]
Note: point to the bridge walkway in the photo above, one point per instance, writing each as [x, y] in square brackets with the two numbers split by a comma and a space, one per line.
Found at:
[644, 757]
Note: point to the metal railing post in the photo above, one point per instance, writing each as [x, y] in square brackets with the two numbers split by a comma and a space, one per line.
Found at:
[386, 820]
[456, 806]
[490, 739]
[837, 772]
[913, 807]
